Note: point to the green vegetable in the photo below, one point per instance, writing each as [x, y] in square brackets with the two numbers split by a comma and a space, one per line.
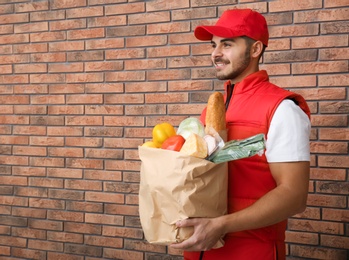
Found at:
[238, 149]
[191, 125]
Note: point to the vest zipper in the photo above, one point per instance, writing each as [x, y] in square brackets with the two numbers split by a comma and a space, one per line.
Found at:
[230, 91]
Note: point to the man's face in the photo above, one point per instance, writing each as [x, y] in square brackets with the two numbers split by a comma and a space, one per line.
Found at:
[231, 57]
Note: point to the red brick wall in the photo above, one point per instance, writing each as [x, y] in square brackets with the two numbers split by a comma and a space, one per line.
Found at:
[82, 82]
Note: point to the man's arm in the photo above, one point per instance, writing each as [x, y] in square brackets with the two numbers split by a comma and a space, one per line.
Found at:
[287, 199]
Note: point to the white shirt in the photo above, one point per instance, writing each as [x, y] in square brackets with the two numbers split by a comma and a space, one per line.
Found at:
[288, 136]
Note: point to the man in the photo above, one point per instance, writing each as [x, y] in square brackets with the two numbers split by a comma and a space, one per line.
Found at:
[263, 190]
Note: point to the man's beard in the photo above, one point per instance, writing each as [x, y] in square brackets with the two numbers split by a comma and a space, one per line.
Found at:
[240, 67]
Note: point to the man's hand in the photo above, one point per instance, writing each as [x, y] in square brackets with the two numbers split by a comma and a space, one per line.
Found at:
[207, 232]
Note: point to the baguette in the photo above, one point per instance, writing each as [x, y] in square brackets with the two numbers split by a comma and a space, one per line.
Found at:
[215, 112]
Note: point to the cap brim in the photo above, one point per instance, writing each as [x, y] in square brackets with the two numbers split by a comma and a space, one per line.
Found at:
[205, 33]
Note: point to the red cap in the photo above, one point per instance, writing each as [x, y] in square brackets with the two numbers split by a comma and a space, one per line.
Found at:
[235, 23]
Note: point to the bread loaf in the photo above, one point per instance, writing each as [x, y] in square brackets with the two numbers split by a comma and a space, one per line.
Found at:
[215, 113]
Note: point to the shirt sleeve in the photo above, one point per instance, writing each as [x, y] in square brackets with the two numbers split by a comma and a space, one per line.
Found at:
[288, 136]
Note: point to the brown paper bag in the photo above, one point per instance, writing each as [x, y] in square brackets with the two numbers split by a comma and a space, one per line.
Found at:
[174, 187]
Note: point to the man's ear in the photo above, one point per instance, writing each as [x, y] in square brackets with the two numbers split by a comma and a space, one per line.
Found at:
[257, 49]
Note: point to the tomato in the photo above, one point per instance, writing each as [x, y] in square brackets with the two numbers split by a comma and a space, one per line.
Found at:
[149, 144]
[161, 132]
[173, 143]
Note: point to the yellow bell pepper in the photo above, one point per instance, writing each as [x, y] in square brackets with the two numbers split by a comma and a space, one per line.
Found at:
[161, 132]
[149, 144]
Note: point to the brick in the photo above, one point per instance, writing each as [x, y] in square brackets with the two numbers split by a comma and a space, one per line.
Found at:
[104, 197]
[103, 175]
[157, 40]
[65, 194]
[28, 212]
[46, 203]
[326, 120]
[122, 254]
[14, 18]
[117, 20]
[327, 174]
[84, 163]
[86, 141]
[104, 219]
[13, 221]
[27, 253]
[83, 120]
[168, 51]
[29, 130]
[63, 46]
[131, 30]
[28, 233]
[334, 134]
[13, 201]
[173, 27]
[12, 39]
[326, 200]
[47, 15]
[122, 232]
[47, 36]
[125, 8]
[31, 7]
[30, 192]
[30, 48]
[85, 56]
[333, 80]
[334, 161]
[181, 38]
[84, 206]
[104, 241]
[14, 140]
[31, 89]
[65, 152]
[116, 165]
[31, 27]
[128, 188]
[143, 246]
[66, 89]
[334, 54]
[172, 74]
[335, 241]
[124, 54]
[65, 110]
[13, 241]
[195, 13]
[45, 245]
[321, 93]
[45, 224]
[82, 228]
[64, 131]
[316, 226]
[83, 185]
[59, 4]
[85, 12]
[81, 78]
[124, 76]
[65, 216]
[64, 173]
[334, 27]
[104, 110]
[321, 15]
[65, 237]
[103, 66]
[16, 160]
[104, 44]
[48, 162]
[315, 253]
[84, 250]
[68, 24]
[335, 3]
[7, 9]
[46, 141]
[122, 142]
[126, 210]
[5, 230]
[283, 5]
[85, 34]
[320, 67]
[182, 62]
[120, 99]
[329, 147]
[123, 120]
[60, 256]
[319, 41]
[335, 215]
[146, 110]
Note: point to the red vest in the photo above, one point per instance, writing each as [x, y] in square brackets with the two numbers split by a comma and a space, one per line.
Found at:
[251, 108]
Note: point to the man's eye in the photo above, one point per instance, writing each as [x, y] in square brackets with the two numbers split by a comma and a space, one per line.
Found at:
[227, 45]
